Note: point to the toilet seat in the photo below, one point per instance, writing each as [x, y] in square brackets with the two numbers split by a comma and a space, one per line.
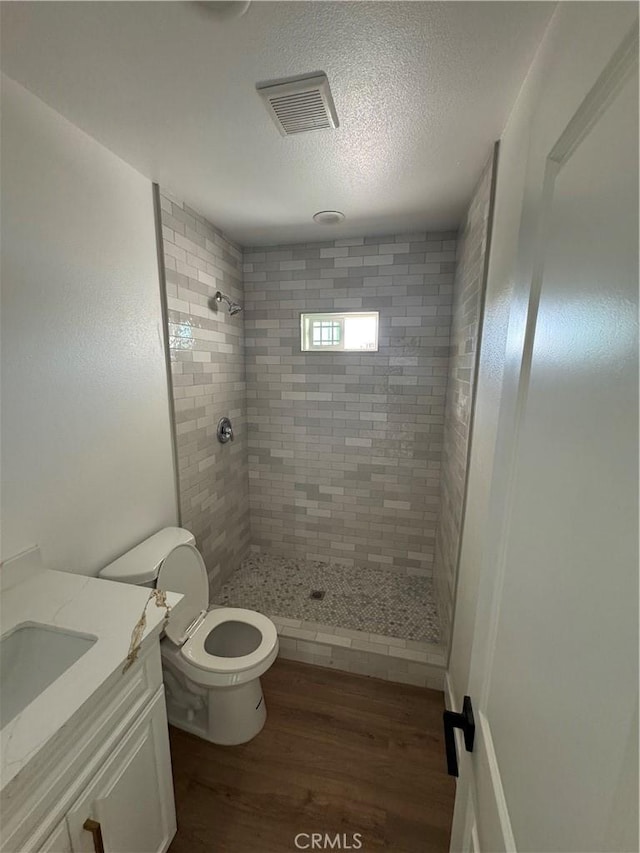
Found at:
[183, 570]
[195, 652]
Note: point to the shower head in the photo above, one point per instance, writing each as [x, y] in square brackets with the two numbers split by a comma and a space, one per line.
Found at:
[232, 307]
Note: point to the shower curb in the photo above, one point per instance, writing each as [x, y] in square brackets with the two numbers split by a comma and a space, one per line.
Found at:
[389, 658]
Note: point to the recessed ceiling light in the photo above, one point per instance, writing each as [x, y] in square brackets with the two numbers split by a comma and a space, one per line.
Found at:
[328, 217]
[224, 10]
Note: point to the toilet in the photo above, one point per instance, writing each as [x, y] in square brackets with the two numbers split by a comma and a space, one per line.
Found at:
[212, 660]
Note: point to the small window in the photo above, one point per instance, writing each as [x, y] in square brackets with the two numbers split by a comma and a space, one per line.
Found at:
[354, 331]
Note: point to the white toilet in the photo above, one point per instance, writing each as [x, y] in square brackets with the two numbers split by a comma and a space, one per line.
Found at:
[212, 661]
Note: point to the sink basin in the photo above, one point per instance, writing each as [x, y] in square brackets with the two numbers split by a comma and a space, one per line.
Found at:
[32, 656]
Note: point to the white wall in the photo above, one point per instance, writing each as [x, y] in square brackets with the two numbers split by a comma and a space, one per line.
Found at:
[87, 466]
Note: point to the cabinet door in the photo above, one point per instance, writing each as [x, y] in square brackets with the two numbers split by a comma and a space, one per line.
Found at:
[58, 841]
[129, 803]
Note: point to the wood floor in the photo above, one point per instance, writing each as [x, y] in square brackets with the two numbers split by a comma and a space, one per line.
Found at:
[339, 754]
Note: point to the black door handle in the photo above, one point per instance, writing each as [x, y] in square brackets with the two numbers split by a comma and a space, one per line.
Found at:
[463, 721]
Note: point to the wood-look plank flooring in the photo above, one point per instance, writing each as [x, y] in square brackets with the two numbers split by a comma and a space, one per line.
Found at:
[339, 753]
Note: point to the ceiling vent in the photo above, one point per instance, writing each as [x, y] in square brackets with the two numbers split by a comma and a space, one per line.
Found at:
[300, 104]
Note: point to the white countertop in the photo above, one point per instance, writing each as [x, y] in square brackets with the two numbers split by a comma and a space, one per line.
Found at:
[86, 605]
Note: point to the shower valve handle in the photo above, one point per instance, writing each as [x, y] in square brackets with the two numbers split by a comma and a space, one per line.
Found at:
[224, 431]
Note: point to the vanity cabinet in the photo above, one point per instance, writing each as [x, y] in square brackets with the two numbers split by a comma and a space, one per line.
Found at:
[128, 806]
[109, 785]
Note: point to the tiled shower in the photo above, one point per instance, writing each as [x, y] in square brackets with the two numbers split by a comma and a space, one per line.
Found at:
[206, 348]
[345, 448]
[336, 510]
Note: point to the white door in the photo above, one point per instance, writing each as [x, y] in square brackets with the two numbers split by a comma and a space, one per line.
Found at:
[554, 666]
[128, 807]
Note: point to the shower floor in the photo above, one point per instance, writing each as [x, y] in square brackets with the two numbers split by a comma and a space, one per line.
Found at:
[368, 600]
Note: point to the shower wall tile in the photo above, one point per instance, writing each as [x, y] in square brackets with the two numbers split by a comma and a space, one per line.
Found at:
[468, 295]
[208, 382]
[345, 448]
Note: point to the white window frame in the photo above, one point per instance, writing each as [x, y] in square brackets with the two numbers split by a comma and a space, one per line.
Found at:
[307, 318]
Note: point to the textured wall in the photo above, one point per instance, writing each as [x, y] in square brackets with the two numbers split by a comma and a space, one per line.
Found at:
[345, 448]
[465, 325]
[207, 368]
[87, 468]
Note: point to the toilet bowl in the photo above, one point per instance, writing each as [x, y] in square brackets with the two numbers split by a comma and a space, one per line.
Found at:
[212, 659]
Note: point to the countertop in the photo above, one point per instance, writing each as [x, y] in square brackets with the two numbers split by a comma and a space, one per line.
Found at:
[87, 605]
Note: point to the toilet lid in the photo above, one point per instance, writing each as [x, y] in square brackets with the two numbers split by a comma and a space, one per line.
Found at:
[183, 570]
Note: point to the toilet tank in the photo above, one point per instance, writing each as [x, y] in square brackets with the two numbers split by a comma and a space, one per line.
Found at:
[141, 564]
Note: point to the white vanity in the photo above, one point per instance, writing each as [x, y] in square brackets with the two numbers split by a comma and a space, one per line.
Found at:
[84, 748]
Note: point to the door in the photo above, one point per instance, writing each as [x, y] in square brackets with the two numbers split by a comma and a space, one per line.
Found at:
[129, 804]
[554, 665]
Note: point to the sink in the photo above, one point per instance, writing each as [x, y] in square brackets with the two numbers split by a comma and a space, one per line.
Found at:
[32, 656]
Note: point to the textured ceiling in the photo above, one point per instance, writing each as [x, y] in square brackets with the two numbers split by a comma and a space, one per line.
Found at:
[422, 89]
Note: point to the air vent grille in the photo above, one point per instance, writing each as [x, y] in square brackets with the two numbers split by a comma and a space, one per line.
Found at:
[300, 105]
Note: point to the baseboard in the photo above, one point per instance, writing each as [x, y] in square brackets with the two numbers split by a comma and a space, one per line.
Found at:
[449, 698]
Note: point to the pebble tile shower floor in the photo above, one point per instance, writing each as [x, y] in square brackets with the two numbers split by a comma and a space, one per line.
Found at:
[364, 599]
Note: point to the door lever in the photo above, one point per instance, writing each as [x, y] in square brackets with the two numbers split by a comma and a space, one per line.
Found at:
[95, 829]
[464, 721]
